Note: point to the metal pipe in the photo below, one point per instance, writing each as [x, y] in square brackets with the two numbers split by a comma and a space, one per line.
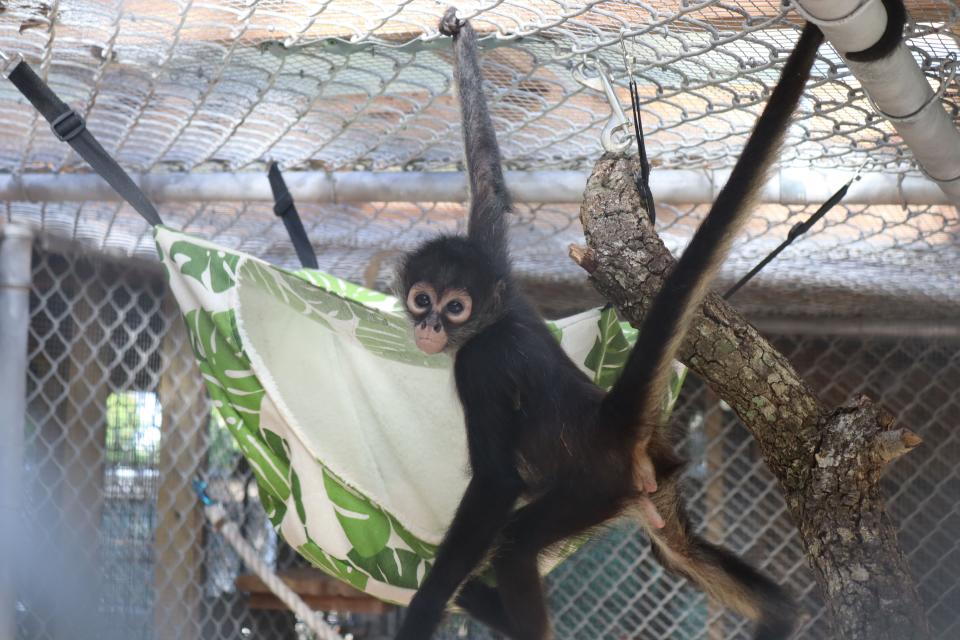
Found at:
[859, 328]
[15, 277]
[669, 186]
[896, 84]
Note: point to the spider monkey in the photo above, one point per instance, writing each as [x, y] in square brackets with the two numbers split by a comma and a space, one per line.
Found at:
[538, 429]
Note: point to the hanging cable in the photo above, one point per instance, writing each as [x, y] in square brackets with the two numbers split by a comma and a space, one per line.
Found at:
[643, 179]
[798, 230]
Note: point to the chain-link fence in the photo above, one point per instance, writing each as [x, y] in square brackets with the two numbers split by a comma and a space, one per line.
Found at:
[344, 84]
[119, 427]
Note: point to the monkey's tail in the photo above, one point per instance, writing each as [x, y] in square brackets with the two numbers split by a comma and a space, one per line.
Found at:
[722, 575]
[635, 398]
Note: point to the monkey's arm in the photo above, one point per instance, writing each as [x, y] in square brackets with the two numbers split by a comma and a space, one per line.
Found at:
[489, 199]
[490, 497]
[482, 513]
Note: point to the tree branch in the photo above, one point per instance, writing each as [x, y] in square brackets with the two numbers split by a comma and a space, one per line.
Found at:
[828, 463]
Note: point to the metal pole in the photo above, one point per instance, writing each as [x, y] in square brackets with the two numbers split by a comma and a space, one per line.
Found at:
[896, 84]
[920, 329]
[15, 246]
[670, 186]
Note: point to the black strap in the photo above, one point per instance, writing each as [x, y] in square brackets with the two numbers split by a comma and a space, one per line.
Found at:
[643, 180]
[283, 206]
[69, 126]
[798, 230]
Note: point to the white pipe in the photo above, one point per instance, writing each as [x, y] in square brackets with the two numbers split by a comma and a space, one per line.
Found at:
[896, 84]
[669, 186]
[229, 530]
[15, 278]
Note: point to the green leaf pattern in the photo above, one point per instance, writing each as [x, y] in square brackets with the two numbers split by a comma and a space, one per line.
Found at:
[215, 269]
[382, 556]
[386, 334]
[610, 350]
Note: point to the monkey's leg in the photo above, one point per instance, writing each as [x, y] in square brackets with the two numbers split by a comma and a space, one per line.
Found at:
[720, 573]
[555, 516]
[483, 603]
[483, 510]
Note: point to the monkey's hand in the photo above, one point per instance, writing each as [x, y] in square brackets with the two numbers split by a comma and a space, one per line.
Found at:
[645, 479]
[450, 24]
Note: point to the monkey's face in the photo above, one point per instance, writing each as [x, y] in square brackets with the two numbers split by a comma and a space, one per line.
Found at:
[450, 292]
[434, 311]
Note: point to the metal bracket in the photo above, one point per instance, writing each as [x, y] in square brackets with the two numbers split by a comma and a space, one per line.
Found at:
[616, 136]
[947, 73]
[8, 63]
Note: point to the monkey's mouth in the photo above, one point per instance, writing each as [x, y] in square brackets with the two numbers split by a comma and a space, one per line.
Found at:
[430, 341]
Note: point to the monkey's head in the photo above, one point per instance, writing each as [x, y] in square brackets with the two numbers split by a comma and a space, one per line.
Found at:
[451, 291]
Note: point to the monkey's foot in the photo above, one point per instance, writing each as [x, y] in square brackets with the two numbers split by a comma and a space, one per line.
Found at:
[450, 24]
[645, 479]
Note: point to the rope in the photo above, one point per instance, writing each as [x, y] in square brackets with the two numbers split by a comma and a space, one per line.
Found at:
[231, 532]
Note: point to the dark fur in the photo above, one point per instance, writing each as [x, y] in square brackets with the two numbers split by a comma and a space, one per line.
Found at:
[538, 428]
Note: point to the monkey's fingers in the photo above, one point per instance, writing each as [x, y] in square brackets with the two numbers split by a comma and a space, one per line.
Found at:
[450, 24]
[645, 474]
[650, 513]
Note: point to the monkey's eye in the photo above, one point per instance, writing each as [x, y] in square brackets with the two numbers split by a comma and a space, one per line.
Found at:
[422, 301]
[455, 307]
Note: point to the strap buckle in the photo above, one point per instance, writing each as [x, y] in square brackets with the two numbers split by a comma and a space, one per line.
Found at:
[283, 204]
[68, 125]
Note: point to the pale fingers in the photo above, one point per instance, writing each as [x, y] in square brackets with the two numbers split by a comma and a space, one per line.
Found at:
[650, 513]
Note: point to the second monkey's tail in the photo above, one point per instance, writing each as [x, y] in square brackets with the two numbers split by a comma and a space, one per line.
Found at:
[719, 573]
[635, 398]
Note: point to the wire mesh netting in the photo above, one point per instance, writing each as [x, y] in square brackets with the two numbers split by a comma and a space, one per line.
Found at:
[117, 421]
[185, 85]
[207, 87]
[118, 428]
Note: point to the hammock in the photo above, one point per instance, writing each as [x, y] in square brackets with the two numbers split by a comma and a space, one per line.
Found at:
[319, 381]
[356, 437]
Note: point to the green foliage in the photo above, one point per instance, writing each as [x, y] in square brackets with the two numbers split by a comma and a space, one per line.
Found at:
[555, 330]
[333, 566]
[398, 567]
[422, 549]
[219, 267]
[351, 291]
[223, 450]
[133, 428]
[236, 392]
[610, 350]
[365, 525]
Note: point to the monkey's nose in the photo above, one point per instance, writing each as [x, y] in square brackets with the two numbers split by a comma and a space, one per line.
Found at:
[437, 327]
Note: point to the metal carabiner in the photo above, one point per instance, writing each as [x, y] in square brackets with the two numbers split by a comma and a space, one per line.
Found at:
[616, 136]
[8, 63]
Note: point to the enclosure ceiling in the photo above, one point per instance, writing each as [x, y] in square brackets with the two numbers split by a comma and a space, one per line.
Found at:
[339, 85]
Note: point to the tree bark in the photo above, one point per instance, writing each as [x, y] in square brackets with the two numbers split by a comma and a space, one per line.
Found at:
[828, 462]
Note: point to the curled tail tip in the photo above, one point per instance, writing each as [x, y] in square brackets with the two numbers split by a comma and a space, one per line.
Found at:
[727, 579]
[778, 619]
[450, 24]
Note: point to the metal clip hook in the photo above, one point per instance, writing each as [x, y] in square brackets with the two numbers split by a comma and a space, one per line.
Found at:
[8, 63]
[616, 136]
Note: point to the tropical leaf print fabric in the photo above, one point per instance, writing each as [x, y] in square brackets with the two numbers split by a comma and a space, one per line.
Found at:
[356, 437]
